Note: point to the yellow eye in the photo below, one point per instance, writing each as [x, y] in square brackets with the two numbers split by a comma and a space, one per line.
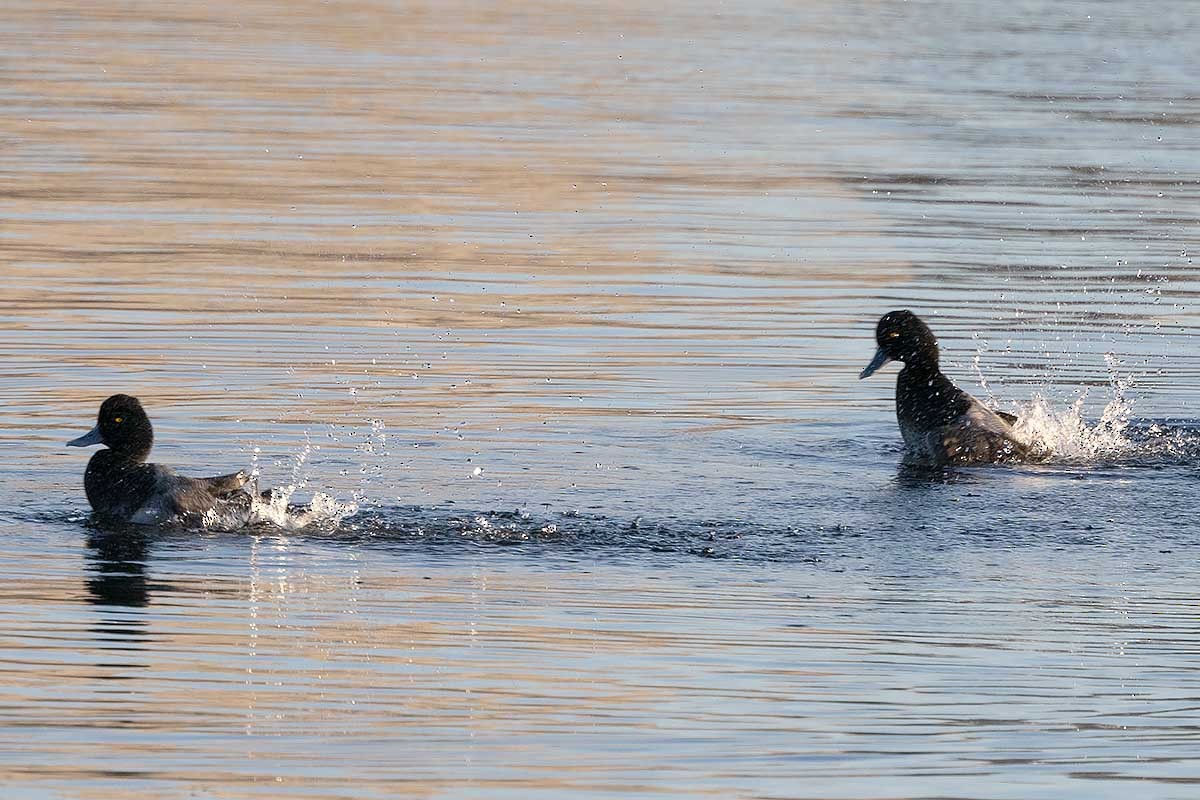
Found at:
[118, 420]
[891, 335]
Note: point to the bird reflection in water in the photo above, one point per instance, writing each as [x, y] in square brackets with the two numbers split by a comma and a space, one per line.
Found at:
[118, 566]
[924, 476]
[117, 585]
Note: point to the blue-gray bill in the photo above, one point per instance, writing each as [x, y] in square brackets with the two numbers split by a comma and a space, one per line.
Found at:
[91, 437]
[878, 361]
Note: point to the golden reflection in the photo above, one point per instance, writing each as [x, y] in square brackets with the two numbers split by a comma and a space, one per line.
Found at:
[461, 205]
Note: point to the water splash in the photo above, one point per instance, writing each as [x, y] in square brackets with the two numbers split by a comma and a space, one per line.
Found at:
[276, 509]
[1067, 436]
[981, 348]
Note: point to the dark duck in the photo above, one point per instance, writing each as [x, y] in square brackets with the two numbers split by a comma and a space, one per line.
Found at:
[941, 424]
[122, 487]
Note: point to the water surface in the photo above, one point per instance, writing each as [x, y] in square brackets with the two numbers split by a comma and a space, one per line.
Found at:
[571, 300]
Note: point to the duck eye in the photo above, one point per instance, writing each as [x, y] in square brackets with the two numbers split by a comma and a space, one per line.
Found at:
[118, 420]
[893, 335]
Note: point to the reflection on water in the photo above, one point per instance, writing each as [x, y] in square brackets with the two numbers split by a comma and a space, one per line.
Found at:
[118, 567]
[571, 300]
[924, 657]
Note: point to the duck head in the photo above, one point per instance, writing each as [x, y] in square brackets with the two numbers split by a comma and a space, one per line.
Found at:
[122, 426]
[902, 336]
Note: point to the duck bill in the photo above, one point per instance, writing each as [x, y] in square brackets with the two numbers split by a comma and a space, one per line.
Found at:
[878, 361]
[91, 437]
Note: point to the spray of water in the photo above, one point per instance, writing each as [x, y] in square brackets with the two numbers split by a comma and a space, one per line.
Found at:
[1059, 434]
[1065, 435]
[275, 507]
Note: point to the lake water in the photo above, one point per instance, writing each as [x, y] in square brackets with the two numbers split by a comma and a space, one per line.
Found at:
[570, 300]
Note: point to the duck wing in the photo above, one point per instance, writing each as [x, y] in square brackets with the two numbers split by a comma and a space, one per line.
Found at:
[175, 495]
[1011, 419]
[981, 436]
[222, 485]
[190, 496]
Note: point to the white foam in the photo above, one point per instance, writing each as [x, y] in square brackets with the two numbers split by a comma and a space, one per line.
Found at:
[1065, 435]
[277, 510]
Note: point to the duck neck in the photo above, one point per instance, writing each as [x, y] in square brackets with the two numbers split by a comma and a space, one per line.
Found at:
[135, 451]
[922, 371]
[925, 397]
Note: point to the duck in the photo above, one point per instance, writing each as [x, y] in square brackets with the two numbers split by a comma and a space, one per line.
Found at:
[121, 486]
[941, 424]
